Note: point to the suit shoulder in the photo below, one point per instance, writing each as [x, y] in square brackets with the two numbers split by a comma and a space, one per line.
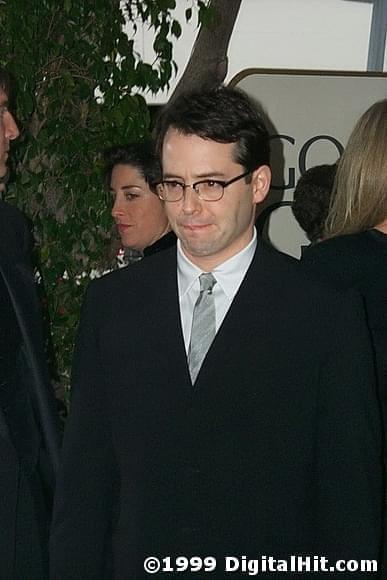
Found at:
[284, 265]
[349, 248]
[15, 231]
[298, 284]
[11, 216]
[139, 277]
[348, 260]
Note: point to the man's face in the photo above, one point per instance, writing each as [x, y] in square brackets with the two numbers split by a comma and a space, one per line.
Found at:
[137, 211]
[8, 132]
[211, 231]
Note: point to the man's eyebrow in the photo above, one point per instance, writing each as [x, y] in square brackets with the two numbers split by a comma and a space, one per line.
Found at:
[209, 175]
[171, 176]
[199, 176]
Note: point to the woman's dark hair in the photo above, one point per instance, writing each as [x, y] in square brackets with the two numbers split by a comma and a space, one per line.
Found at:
[225, 115]
[140, 155]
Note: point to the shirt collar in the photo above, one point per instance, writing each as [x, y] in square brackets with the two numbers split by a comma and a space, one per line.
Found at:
[229, 274]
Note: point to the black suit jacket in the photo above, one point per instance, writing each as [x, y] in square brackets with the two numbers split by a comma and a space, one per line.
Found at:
[274, 451]
[40, 427]
[359, 261]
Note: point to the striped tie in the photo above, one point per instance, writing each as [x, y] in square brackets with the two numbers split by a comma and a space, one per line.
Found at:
[203, 325]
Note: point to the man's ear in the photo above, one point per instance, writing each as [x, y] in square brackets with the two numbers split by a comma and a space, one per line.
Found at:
[260, 181]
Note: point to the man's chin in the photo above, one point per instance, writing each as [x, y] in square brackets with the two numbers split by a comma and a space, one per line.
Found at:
[199, 250]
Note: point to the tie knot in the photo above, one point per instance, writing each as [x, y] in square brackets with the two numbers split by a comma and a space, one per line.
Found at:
[207, 282]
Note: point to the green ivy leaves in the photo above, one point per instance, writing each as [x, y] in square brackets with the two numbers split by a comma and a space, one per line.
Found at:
[76, 81]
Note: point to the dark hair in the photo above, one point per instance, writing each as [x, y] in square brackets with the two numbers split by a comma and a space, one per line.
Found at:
[140, 155]
[5, 81]
[312, 197]
[225, 115]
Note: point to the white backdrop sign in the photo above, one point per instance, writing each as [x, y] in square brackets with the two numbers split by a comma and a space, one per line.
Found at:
[310, 116]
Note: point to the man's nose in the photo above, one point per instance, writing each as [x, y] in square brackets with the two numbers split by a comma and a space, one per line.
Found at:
[190, 201]
[11, 130]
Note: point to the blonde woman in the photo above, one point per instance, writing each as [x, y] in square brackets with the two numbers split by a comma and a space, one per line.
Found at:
[355, 252]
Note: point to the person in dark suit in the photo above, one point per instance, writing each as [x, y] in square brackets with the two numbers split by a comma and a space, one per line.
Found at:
[354, 255]
[223, 403]
[131, 173]
[29, 436]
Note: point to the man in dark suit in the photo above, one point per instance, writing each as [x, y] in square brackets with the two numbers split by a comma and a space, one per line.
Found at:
[223, 404]
[28, 427]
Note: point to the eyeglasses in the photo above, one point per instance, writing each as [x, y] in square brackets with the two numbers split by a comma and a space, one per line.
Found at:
[207, 190]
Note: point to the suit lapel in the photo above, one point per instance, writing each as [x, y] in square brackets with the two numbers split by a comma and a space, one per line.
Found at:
[21, 287]
[20, 284]
[4, 430]
[169, 328]
[233, 339]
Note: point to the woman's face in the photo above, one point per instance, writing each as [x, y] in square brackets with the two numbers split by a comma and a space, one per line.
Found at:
[137, 211]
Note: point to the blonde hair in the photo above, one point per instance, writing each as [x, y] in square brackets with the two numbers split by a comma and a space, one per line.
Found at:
[359, 196]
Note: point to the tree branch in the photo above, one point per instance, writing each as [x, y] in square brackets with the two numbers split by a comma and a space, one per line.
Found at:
[208, 63]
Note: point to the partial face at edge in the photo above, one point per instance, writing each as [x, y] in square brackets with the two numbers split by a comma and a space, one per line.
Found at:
[8, 132]
[211, 232]
[137, 211]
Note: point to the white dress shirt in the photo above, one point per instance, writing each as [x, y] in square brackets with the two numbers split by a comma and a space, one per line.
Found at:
[229, 276]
